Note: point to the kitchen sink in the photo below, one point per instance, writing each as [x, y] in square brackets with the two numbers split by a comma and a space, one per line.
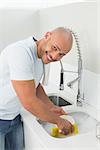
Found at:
[59, 101]
[84, 122]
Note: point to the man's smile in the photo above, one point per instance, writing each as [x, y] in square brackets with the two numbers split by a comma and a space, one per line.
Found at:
[48, 56]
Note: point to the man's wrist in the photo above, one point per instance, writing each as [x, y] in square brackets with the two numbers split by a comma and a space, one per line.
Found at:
[58, 121]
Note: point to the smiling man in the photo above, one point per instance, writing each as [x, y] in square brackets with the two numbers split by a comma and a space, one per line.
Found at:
[21, 69]
[55, 45]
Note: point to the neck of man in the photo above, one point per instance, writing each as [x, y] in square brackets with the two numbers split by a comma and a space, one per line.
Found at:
[39, 47]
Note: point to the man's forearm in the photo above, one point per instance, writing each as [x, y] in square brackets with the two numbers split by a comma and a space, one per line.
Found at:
[39, 109]
[42, 95]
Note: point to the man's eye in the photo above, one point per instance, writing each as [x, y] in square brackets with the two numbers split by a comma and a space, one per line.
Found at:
[61, 55]
[54, 47]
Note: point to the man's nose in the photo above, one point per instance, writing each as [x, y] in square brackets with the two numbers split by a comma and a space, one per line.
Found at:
[55, 56]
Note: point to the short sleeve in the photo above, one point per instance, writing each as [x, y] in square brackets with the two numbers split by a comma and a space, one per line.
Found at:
[21, 65]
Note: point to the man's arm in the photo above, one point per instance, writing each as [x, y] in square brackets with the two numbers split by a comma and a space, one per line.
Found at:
[26, 92]
[42, 95]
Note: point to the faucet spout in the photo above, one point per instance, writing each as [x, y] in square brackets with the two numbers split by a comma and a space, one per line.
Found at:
[70, 84]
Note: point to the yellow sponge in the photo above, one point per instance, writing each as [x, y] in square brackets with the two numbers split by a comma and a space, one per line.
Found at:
[55, 133]
[55, 130]
[75, 129]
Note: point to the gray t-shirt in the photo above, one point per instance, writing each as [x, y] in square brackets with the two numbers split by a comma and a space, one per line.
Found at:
[18, 61]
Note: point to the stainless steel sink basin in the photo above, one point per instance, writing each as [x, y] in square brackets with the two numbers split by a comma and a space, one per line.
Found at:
[59, 101]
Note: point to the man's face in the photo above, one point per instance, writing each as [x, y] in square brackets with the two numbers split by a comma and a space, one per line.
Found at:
[54, 48]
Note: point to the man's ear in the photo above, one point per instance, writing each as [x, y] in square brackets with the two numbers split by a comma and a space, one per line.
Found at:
[47, 35]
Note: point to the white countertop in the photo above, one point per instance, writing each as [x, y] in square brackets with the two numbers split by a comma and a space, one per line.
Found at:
[85, 141]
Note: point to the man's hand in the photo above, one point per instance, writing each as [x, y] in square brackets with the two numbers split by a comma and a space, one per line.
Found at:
[58, 110]
[65, 127]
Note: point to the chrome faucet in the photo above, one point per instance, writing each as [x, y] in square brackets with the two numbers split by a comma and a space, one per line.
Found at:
[79, 72]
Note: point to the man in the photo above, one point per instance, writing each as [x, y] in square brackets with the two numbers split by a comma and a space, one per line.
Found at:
[21, 69]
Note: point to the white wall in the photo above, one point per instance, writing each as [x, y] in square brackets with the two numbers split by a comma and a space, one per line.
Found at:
[17, 24]
[98, 34]
[82, 18]
[37, 4]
